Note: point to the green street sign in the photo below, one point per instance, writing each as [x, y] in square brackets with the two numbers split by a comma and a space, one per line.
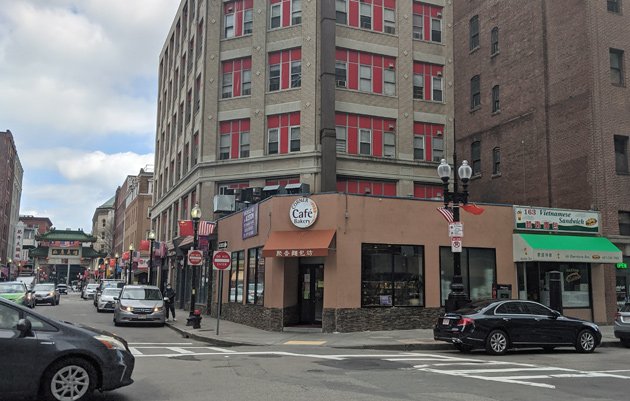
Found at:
[622, 265]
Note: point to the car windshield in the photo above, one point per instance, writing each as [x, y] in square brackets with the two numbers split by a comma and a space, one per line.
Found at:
[92, 286]
[61, 285]
[475, 307]
[44, 287]
[149, 294]
[11, 288]
[112, 291]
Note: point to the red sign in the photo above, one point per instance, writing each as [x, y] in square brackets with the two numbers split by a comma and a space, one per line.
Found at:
[195, 257]
[222, 260]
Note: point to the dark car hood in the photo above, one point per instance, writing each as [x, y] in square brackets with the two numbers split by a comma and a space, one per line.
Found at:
[91, 330]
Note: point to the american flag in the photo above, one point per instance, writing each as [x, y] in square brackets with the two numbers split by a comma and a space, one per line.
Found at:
[206, 227]
[447, 213]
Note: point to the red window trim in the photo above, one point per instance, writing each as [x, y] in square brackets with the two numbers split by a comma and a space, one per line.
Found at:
[427, 191]
[284, 123]
[234, 128]
[354, 122]
[428, 131]
[366, 186]
[354, 59]
[378, 16]
[236, 67]
[238, 8]
[429, 71]
[428, 12]
[285, 13]
[282, 181]
[284, 58]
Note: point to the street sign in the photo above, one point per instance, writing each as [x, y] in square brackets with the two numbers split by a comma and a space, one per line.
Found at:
[195, 257]
[456, 229]
[456, 244]
[222, 245]
[222, 260]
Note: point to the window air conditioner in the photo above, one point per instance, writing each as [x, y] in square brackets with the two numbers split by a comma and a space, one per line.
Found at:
[390, 66]
[341, 84]
[439, 15]
[439, 74]
[438, 133]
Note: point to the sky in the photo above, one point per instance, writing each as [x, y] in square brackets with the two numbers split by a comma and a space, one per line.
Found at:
[78, 89]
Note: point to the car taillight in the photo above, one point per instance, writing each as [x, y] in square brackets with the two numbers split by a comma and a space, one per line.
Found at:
[465, 321]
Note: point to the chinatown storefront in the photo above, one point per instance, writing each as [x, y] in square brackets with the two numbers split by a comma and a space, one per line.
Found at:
[346, 263]
[567, 242]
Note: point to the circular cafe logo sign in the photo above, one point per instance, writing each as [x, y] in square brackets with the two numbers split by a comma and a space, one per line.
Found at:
[303, 212]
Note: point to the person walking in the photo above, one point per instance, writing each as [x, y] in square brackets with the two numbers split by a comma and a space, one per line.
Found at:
[169, 298]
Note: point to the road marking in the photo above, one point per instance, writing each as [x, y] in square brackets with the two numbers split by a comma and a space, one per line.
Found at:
[180, 350]
[298, 342]
[134, 351]
[164, 344]
[221, 349]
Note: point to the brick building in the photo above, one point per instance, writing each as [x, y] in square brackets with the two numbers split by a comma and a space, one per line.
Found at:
[11, 173]
[543, 111]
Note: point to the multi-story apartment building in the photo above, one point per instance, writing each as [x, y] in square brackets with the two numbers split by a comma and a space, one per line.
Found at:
[32, 227]
[10, 196]
[350, 96]
[543, 109]
[103, 228]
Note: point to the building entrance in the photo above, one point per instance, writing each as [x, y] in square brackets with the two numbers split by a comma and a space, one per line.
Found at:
[311, 294]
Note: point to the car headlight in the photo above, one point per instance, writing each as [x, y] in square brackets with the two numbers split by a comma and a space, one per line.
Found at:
[111, 342]
[50, 294]
[125, 308]
[158, 309]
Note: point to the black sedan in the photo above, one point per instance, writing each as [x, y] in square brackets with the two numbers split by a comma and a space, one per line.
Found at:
[51, 360]
[499, 325]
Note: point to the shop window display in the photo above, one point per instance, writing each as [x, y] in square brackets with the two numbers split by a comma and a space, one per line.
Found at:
[478, 267]
[533, 281]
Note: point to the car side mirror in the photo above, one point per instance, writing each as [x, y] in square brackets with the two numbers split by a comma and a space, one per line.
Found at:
[555, 314]
[25, 328]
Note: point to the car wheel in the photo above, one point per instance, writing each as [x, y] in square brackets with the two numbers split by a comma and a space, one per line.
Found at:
[497, 342]
[463, 348]
[69, 379]
[116, 323]
[625, 342]
[585, 341]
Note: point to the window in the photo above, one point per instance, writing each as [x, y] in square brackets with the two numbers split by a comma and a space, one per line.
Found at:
[296, 74]
[365, 78]
[9, 318]
[103, 222]
[478, 267]
[341, 134]
[436, 30]
[534, 281]
[274, 77]
[272, 141]
[437, 89]
[224, 147]
[340, 74]
[228, 31]
[365, 142]
[276, 15]
[197, 92]
[495, 99]
[624, 223]
[295, 139]
[475, 156]
[392, 275]
[342, 12]
[418, 26]
[248, 22]
[389, 80]
[494, 40]
[244, 144]
[475, 92]
[418, 147]
[437, 148]
[474, 32]
[389, 21]
[418, 86]
[613, 6]
[227, 86]
[496, 161]
[365, 13]
[296, 12]
[236, 277]
[255, 277]
[616, 67]
[246, 84]
[621, 154]
[389, 144]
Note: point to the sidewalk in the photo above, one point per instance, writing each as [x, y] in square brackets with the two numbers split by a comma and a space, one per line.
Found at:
[234, 334]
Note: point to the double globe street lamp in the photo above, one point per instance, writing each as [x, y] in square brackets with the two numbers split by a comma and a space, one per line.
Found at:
[457, 298]
[152, 240]
[128, 281]
[195, 214]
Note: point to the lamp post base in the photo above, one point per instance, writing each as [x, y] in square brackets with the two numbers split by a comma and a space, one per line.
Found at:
[455, 301]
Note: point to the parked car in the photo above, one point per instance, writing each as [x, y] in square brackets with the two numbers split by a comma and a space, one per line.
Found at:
[89, 290]
[106, 300]
[62, 288]
[106, 283]
[622, 325]
[53, 360]
[499, 325]
[46, 293]
[139, 303]
[17, 292]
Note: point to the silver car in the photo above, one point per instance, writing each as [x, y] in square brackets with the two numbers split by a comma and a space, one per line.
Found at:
[622, 325]
[139, 304]
[107, 299]
[89, 291]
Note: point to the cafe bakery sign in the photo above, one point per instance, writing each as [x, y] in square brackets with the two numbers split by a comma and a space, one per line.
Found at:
[303, 212]
[557, 220]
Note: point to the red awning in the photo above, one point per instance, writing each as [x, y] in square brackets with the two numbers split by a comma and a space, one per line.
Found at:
[288, 244]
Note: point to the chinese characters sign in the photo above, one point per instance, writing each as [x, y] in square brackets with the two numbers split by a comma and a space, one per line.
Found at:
[559, 220]
[64, 252]
[295, 253]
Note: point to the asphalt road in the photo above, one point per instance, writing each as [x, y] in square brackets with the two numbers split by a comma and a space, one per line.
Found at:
[169, 367]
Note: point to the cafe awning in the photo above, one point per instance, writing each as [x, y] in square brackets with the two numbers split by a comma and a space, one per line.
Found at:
[564, 248]
[287, 244]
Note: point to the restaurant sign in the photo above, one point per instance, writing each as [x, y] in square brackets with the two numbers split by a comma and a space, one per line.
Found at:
[557, 220]
[303, 212]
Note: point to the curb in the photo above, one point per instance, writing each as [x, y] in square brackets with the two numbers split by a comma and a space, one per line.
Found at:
[212, 341]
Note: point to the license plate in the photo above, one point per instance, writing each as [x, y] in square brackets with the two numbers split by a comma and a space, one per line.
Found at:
[142, 317]
[446, 322]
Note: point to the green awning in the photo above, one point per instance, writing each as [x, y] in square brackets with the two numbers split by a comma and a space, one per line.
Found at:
[564, 248]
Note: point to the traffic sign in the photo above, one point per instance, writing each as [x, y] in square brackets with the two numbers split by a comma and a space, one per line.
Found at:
[195, 257]
[456, 244]
[456, 229]
[222, 260]
[222, 245]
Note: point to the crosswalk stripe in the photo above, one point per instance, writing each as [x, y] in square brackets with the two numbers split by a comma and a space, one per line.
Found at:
[180, 350]
[163, 344]
[134, 351]
[227, 351]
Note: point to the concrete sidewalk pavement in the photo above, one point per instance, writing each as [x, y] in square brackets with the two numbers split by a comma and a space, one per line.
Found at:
[234, 334]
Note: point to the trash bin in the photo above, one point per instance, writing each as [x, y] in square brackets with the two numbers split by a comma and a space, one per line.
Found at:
[194, 320]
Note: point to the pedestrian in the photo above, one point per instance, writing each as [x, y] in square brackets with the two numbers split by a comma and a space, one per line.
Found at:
[169, 300]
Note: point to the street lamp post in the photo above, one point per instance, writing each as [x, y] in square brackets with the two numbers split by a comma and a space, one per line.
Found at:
[152, 240]
[457, 297]
[128, 281]
[9, 268]
[195, 214]
[116, 256]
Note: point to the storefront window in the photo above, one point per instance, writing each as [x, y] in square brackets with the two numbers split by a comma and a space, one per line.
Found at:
[202, 287]
[478, 267]
[255, 276]
[392, 275]
[622, 283]
[576, 282]
[236, 277]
